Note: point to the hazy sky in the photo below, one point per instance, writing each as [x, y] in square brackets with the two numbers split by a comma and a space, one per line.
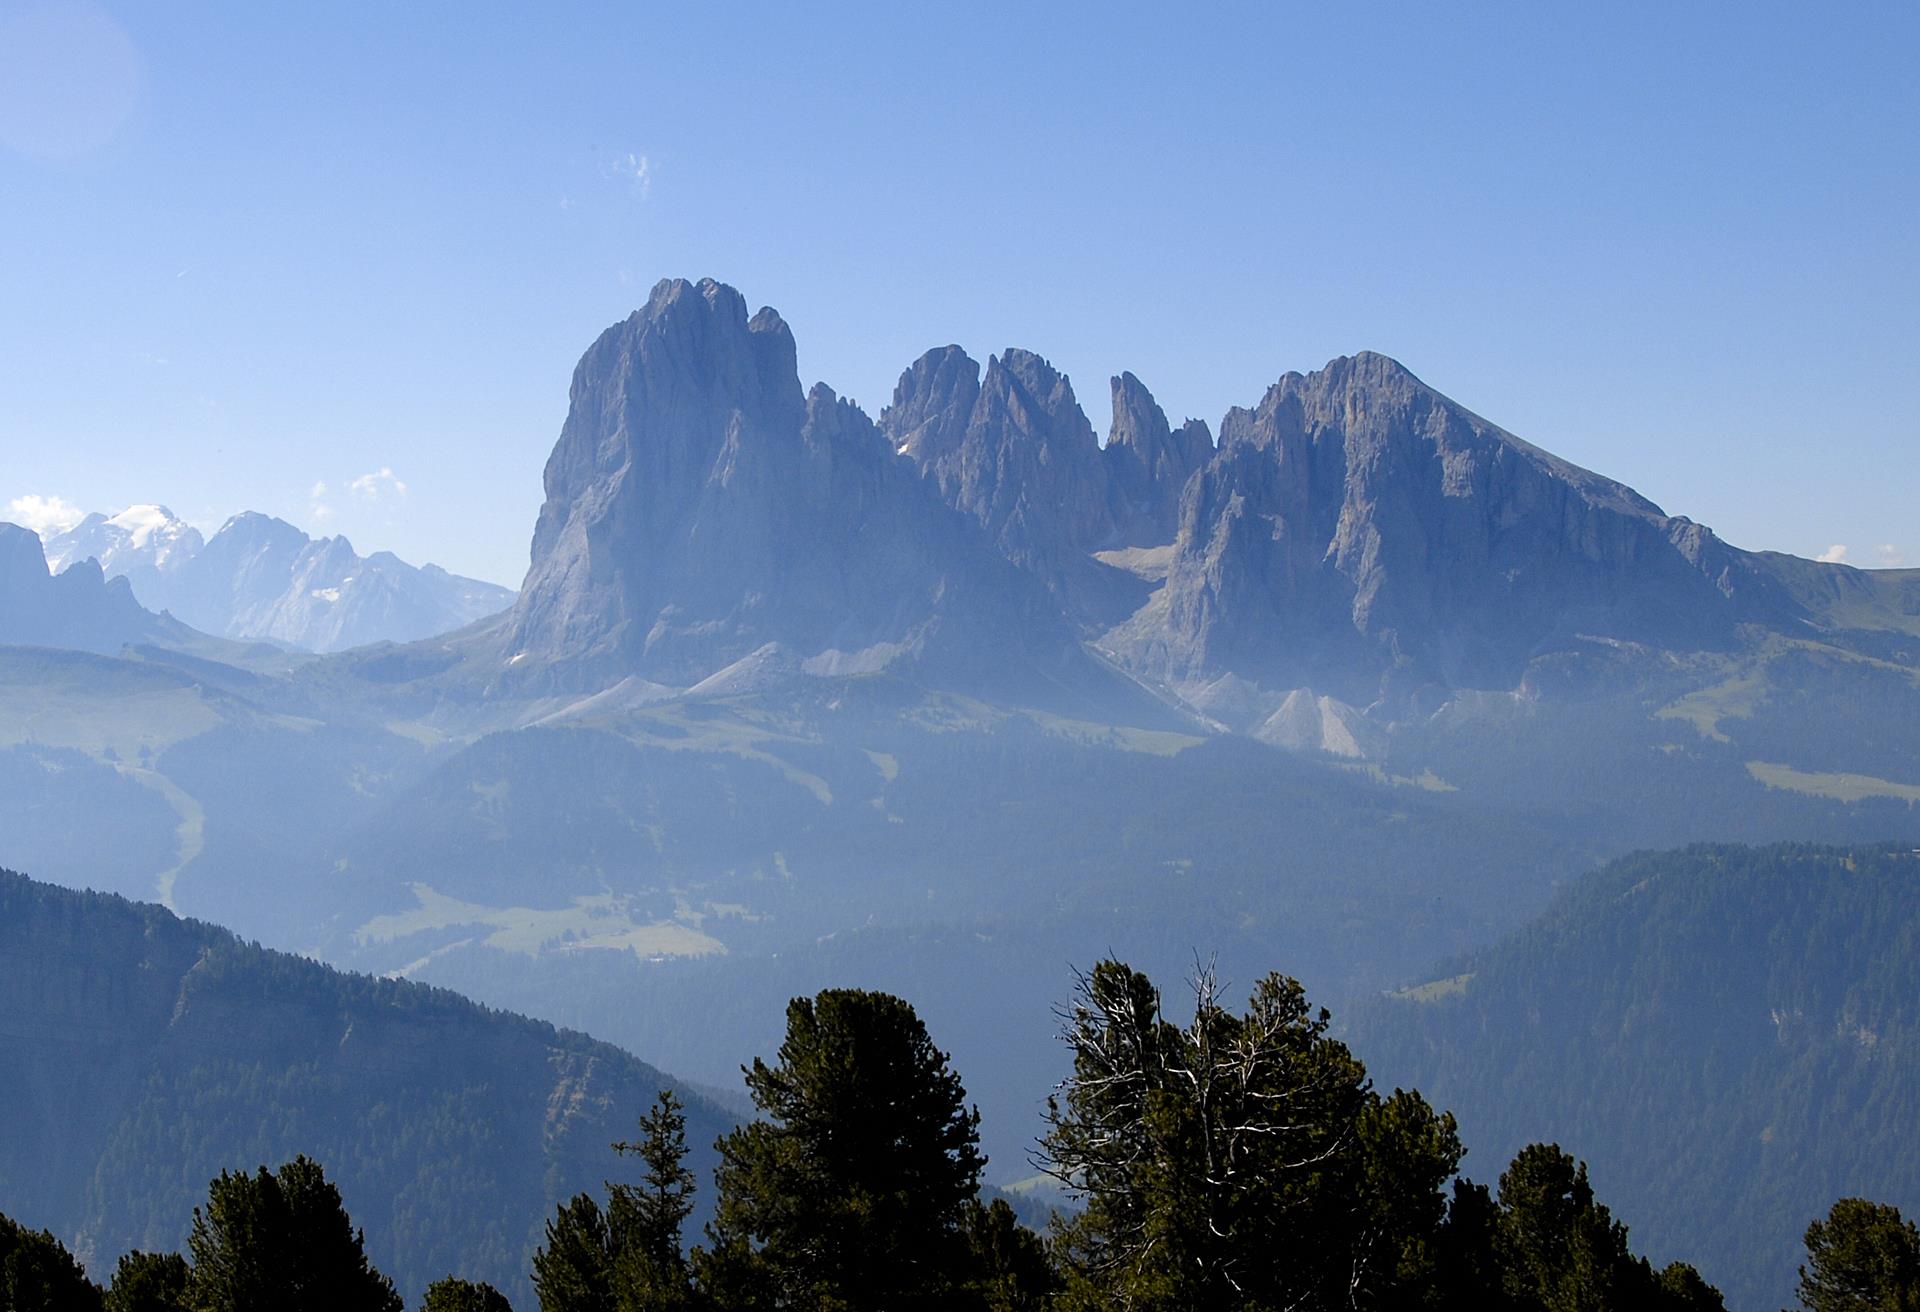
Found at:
[251, 253]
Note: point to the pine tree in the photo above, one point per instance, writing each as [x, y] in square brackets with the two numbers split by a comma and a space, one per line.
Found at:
[1010, 1268]
[456, 1295]
[626, 1257]
[649, 1266]
[1551, 1246]
[38, 1274]
[1240, 1161]
[573, 1270]
[852, 1191]
[149, 1282]
[1864, 1257]
[281, 1240]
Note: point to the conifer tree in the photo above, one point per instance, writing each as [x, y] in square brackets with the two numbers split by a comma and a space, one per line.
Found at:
[852, 1191]
[1863, 1257]
[455, 1295]
[626, 1257]
[649, 1265]
[149, 1282]
[38, 1274]
[281, 1240]
[573, 1270]
[1239, 1161]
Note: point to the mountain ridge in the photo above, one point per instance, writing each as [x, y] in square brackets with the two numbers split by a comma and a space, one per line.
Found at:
[259, 578]
[1728, 1033]
[1357, 533]
[147, 1053]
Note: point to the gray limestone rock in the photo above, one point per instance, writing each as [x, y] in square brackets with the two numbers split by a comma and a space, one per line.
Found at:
[1025, 466]
[1150, 464]
[702, 512]
[1358, 530]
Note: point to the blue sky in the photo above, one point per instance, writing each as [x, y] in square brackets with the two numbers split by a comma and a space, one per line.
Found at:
[250, 254]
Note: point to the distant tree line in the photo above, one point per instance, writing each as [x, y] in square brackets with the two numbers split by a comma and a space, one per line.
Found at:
[1240, 1161]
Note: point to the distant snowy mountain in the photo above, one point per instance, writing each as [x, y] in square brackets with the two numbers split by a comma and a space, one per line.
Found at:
[142, 544]
[260, 578]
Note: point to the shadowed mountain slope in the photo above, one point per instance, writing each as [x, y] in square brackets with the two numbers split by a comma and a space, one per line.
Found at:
[146, 1053]
[78, 608]
[1729, 1035]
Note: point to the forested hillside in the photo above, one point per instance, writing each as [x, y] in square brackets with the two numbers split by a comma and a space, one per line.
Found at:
[145, 1054]
[1730, 1034]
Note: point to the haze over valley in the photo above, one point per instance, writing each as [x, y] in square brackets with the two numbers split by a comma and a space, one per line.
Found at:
[943, 701]
[719, 659]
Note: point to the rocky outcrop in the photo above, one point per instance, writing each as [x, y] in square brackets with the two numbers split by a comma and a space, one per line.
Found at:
[78, 608]
[933, 404]
[1150, 464]
[699, 507]
[1357, 534]
[1023, 463]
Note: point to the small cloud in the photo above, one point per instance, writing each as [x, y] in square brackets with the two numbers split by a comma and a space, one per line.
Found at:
[44, 514]
[319, 490]
[1833, 555]
[566, 202]
[1891, 557]
[637, 169]
[373, 487]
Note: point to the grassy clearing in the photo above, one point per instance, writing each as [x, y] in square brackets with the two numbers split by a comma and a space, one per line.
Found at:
[114, 724]
[599, 922]
[1434, 990]
[1152, 742]
[1734, 699]
[1426, 781]
[1836, 786]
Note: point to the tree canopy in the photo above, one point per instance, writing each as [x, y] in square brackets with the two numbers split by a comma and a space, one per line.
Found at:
[1238, 1161]
[852, 1189]
[281, 1239]
[1862, 1257]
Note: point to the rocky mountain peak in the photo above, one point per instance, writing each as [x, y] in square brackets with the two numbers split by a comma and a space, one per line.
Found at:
[700, 508]
[1151, 463]
[1358, 525]
[932, 404]
[141, 542]
[78, 608]
[1023, 398]
[23, 562]
[261, 577]
[1023, 463]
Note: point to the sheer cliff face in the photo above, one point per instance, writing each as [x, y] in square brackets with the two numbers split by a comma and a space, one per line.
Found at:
[680, 424]
[1149, 464]
[701, 508]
